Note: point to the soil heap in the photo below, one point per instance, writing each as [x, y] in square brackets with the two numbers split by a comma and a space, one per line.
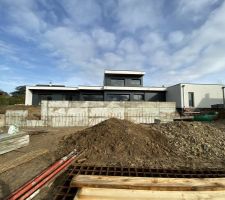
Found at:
[117, 142]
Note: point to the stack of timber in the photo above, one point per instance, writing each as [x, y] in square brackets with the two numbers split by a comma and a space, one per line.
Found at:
[114, 187]
[12, 142]
[20, 160]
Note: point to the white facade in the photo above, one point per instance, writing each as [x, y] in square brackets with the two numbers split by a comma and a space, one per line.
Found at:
[204, 95]
[29, 93]
[124, 72]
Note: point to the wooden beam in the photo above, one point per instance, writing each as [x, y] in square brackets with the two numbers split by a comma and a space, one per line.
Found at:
[144, 183]
[22, 159]
[122, 194]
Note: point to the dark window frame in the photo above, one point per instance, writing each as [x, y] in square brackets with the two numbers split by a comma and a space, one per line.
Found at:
[191, 99]
[108, 95]
[117, 79]
[143, 95]
[91, 95]
[135, 79]
[69, 97]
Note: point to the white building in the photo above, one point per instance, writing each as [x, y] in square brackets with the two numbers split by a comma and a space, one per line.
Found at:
[120, 85]
[188, 95]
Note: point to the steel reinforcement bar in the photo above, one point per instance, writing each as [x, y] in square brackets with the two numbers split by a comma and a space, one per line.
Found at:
[65, 192]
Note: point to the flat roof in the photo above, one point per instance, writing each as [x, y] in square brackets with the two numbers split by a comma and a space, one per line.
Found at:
[127, 72]
[196, 84]
[135, 88]
[97, 88]
[50, 88]
[82, 87]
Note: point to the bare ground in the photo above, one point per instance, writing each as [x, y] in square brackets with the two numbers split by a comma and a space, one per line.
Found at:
[106, 141]
[40, 138]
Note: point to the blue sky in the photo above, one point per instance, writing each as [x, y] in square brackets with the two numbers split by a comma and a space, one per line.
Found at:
[71, 42]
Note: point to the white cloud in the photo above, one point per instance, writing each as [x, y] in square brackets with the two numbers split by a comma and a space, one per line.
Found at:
[151, 42]
[176, 37]
[196, 10]
[104, 39]
[195, 6]
[128, 45]
[112, 60]
[135, 36]
[203, 54]
[85, 12]
[135, 14]
[22, 19]
[6, 48]
[74, 47]
[4, 68]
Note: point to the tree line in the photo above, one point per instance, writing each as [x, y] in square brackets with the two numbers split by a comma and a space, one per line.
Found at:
[15, 97]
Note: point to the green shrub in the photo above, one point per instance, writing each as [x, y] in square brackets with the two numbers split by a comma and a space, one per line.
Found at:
[11, 100]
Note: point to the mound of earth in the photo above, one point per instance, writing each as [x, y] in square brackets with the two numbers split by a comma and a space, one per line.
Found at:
[117, 142]
[199, 145]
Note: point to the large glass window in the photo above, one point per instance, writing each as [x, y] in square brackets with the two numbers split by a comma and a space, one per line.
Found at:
[45, 97]
[135, 82]
[191, 99]
[41, 97]
[69, 97]
[138, 97]
[92, 97]
[49, 98]
[118, 97]
[117, 82]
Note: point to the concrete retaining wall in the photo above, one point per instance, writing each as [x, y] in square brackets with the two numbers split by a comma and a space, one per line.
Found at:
[17, 117]
[88, 113]
[2, 120]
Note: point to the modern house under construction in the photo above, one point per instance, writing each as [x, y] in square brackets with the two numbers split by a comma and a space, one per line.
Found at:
[123, 85]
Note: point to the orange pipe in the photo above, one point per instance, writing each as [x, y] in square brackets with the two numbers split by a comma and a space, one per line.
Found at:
[20, 191]
[46, 179]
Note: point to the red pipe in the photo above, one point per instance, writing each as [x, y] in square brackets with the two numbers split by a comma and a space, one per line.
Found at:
[16, 194]
[48, 178]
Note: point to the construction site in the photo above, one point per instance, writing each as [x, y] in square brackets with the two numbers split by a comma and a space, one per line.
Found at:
[112, 100]
[141, 158]
[114, 142]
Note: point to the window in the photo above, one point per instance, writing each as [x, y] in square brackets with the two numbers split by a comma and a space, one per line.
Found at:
[45, 97]
[135, 82]
[191, 99]
[138, 97]
[118, 97]
[49, 98]
[117, 82]
[92, 97]
[69, 97]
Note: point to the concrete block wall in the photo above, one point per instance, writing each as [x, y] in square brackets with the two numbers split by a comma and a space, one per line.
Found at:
[16, 117]
[35, 123]
[88, 113]
[19, 118]
[2, 120]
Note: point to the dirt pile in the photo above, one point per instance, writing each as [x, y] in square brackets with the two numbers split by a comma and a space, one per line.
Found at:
[197, 144]
[117, 142]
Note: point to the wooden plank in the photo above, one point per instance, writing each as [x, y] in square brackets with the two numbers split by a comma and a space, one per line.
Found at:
[22, 159]
[122, 194]
[11, 142]
[6, 136]
[145, 183]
